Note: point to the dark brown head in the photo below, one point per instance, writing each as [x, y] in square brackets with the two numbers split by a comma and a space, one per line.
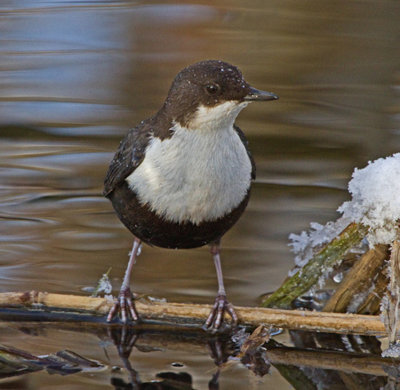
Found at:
[206, 85]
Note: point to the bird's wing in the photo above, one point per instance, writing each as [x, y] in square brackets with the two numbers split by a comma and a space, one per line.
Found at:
[128, 157]
[246, 145]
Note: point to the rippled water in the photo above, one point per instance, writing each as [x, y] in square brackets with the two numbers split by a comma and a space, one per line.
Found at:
[75, 75]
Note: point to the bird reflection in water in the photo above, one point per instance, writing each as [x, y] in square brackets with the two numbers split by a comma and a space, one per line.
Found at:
[125, 338]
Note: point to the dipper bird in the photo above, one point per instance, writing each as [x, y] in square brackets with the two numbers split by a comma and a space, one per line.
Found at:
[181, 179]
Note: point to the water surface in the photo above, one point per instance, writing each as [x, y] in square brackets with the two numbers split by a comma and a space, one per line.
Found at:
[75, 75]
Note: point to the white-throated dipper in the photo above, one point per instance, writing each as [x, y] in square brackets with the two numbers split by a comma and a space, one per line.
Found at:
[181, 179]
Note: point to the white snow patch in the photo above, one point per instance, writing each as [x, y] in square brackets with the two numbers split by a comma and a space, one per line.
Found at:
[375, 200]
[375, 203]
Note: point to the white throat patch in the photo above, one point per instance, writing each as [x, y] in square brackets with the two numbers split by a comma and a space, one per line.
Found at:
[198, 174]
[215, 118]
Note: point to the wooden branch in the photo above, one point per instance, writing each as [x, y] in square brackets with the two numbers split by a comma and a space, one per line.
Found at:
[372, 303]
[310, 274]
[196, 314]
[358, 279]
[391, 308]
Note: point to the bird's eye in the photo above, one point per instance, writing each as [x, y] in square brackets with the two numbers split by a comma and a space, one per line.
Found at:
[212, 89]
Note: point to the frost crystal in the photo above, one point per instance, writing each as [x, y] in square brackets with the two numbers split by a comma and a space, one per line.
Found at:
[304, 244]
[393, 351]
[104, 285]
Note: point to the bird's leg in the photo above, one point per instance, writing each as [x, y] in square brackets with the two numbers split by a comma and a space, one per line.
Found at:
[221, 304]
[124, 301]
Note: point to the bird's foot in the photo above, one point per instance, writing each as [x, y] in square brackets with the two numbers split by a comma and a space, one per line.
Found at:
[124, 305]
[216, 316]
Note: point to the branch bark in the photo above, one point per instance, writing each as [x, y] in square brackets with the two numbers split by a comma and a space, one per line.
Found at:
[310, 274]
[391, 305]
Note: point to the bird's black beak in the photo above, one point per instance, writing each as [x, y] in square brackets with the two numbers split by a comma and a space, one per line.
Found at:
[257, 95]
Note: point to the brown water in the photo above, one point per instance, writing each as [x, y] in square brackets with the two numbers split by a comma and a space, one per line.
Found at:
[75, 75]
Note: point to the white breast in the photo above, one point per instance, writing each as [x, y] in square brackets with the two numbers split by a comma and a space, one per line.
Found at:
[196, 175]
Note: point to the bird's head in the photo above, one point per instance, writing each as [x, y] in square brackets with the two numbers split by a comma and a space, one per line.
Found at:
[210, 94]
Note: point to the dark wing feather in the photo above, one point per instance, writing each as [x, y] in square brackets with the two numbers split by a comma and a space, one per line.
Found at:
[246, 145]
[128, 157]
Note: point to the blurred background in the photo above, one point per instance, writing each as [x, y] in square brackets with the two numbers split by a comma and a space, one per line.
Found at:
[76, 75]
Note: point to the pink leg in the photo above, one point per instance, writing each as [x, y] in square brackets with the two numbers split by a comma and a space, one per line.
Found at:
[221, 304]
[124, 301]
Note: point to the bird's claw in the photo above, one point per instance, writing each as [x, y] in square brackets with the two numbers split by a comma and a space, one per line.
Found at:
[216, 316]
[125, 306]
